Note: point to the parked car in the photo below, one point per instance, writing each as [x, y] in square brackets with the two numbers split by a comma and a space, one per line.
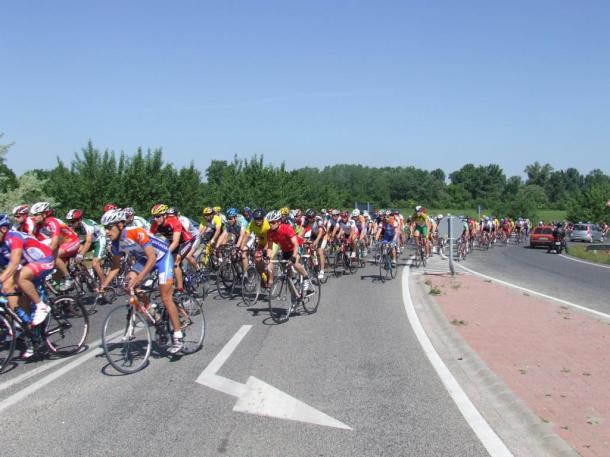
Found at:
[541, 236]
[586, 232]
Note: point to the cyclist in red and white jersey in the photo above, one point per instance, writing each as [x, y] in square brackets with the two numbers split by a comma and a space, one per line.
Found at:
[62, 240]
[24, 223]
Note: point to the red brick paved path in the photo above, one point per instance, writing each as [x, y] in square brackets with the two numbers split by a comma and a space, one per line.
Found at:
[554, 358]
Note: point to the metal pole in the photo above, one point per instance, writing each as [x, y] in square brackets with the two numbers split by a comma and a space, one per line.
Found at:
[451, 267]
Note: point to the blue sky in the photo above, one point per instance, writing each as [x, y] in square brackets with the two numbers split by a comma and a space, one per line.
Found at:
[429, 84]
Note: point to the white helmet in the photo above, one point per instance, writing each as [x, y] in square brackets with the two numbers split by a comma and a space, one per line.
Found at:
[273, 216]
[439, 217]
[113, 216]
[40, 207]
[356, 212]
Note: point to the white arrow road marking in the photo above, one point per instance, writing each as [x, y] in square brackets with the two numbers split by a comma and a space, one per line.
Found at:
[257, 397]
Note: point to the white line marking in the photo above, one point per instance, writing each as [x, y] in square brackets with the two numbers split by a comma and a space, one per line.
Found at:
[47, 379]
[479, 425]
[256, 396]
[584, 261]
[94, 349]
[540, 294]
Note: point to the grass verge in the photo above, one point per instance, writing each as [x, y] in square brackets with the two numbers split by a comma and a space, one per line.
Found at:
[592, 256]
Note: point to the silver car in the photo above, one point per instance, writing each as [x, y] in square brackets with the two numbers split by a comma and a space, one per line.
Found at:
[586, 232]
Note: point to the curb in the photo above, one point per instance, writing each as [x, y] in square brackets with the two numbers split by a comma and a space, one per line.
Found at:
[522, 431]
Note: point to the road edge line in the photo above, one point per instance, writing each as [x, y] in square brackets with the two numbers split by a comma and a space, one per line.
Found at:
[584, 261]
[540, 294]
[490, 440]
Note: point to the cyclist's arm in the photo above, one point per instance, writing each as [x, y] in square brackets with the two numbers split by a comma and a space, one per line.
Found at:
[86, 245]
[114, 270]
[13, 263]
[175, 242]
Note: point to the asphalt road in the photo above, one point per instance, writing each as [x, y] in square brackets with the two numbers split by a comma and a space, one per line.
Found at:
[356, 360]
[577, 282]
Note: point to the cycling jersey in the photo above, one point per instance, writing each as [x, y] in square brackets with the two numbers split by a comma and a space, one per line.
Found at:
[89, 227]
[52, 227]
[283, 237]
[235, 229]
[348, 227]
[212, 225]
[37, 255]
[171, 225]
[259, 231]
[27, 226]
[419, 219]
[133, 240]
[189, 225]
[388, 229]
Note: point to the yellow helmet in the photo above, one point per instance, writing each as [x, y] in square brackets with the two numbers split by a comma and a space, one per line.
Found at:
[159, 210]
[217, 209]
[207, 211]
[285, 211]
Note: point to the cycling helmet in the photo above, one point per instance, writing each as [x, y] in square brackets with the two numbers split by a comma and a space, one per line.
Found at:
[274, 216]
[40, 207]
[439, 217]
[114, 216]
[418, 208]
[344, 215]
[323, 211]
[21, 210]
[310, 213]
[356, 213]
[217, 209]
[4, 220]
[74, 215]
[298, 213]
[335, 212]
[258, 214]
[109, 206]
[388, 212]
[159, 210]
[232, 212]
[285, 211]
[207, 211]
[129, 211]
[172, 210]
[247, 209]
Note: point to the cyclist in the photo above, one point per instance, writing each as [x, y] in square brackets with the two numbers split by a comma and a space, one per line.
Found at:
[346, 229]
[191, 226]
[211, 228]
[313, 229]
[285, 237]
[94, 238]
[257, 230]
[28, 262]
[150, 253]
[236, 228]
[180, 240]
[135, 221]
[62, 240]
[420, 226]
[247, 213]
[24, 223]
[387, 230]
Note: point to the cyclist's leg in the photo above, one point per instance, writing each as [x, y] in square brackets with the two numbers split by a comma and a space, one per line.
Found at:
[99, 253]
[166, 282]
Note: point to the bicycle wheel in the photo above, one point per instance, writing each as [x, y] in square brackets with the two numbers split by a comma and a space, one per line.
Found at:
[312, 301]
[126, 339]
[67, 327]
[225, 279]
[382, 265]
[349, 263]
[192, 319]
[7, 341]
[279, 304]
[393, 269]
[423, 256]
[251, 285]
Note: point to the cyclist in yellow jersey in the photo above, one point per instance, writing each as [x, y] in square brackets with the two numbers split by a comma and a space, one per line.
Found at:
[420, 226]
[257, 229]
[211, 228]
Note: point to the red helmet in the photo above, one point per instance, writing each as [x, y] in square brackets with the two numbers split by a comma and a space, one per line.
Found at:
[21, 210]
[74, 215]
[109, 206]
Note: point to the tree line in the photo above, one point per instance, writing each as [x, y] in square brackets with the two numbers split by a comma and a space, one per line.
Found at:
[94, 178]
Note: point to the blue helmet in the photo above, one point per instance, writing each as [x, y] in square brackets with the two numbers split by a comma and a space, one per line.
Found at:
[247, 209]
[231, 212]
[4, 220]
